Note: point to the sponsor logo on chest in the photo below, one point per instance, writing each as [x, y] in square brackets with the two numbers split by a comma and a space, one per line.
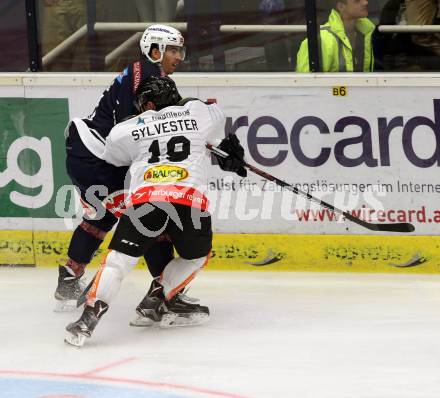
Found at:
[165, 173]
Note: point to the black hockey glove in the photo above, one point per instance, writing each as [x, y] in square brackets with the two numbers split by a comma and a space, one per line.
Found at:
[234, 162]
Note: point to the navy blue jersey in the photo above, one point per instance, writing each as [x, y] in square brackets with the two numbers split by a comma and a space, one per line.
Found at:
[116, 102]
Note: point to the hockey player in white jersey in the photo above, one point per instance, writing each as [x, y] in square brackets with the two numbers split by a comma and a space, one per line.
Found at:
[165, 147]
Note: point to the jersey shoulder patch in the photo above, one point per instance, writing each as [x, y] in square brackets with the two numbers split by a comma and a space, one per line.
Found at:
[121, 75]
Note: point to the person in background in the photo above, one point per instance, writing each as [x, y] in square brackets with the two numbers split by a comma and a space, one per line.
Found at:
[275, 48]
[345, 40]
[60, 19]
[390, 49]
[156, 10]
[203, 34]
[424, 12]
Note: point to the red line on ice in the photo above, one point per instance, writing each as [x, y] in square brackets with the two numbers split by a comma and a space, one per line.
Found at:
[110, 365]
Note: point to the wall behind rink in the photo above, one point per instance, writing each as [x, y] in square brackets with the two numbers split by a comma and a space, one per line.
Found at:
[366, 143]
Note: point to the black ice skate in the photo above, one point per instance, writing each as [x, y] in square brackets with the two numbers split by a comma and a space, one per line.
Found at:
[84, 326]
[179, 311]
[188, 313]
[68, 290]
[152, 308]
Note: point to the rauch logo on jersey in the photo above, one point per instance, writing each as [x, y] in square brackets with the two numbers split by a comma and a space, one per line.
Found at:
[165, 173]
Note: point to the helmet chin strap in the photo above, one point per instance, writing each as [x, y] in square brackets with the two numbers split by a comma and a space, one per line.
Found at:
[155, 61]
[159, 63]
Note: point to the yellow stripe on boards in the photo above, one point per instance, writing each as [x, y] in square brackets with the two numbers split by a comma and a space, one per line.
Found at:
[259, 252]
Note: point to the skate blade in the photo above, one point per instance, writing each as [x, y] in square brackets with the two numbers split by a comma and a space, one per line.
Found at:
[171, 320]
[181, 321]
[141, 321]
[75, 340]
[65, 306]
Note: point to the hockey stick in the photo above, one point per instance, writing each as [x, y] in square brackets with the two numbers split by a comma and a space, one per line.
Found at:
[382, 227]
[83, 297]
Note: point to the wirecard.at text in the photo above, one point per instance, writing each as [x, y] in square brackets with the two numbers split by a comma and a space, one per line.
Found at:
[371, 215]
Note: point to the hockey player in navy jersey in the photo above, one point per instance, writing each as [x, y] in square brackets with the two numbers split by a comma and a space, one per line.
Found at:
[165, 147]
[163, 49]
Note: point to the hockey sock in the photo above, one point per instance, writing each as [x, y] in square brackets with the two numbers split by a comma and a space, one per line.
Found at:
[85, 241]
[178, 273]
[107, 282]
[71, 270]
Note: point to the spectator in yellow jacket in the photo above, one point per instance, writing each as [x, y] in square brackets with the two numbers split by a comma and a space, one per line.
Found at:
[345, 40]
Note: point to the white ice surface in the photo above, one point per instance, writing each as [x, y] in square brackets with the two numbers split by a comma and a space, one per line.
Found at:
[270, 335]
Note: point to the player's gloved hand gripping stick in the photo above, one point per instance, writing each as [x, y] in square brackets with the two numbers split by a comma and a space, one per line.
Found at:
[382, 227]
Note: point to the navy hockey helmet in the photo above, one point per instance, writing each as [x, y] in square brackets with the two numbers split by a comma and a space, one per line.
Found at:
[162, 91]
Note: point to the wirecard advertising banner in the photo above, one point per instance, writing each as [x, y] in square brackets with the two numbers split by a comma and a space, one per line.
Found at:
[374, 152]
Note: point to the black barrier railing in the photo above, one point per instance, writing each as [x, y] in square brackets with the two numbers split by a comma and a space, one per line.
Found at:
[99, 60]
[312, 35]
[32, 36]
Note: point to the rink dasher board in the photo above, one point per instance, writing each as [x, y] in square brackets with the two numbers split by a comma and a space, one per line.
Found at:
[284, 121]
[257, 252]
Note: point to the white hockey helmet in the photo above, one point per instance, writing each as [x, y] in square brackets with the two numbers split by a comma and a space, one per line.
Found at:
[163, 36]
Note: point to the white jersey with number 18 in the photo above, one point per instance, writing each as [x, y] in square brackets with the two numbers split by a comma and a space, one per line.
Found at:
[166, 152]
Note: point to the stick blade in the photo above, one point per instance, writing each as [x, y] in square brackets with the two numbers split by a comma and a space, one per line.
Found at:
[403, 227]
[83, 297]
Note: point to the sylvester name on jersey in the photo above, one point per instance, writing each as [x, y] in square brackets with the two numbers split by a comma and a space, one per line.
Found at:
[171, 126]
